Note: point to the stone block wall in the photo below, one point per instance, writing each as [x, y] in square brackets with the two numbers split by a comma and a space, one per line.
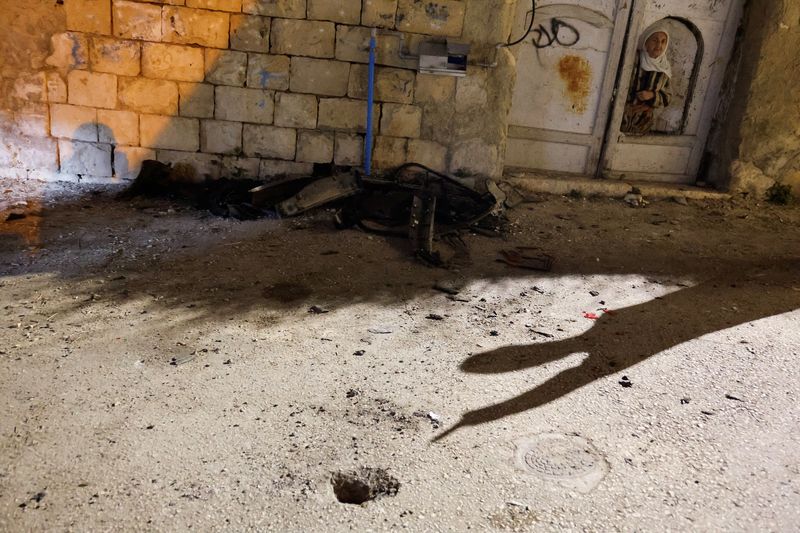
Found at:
[250, 88]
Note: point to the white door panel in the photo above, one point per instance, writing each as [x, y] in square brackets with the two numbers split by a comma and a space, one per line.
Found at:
[696, 84]
[565, 72]
[562, 118]
[652, 159]
[549, 156]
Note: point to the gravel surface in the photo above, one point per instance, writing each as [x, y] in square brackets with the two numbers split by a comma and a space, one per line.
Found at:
[160, 369]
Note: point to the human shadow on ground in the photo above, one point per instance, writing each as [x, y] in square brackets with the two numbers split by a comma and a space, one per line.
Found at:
[628, 336]
[197, 269]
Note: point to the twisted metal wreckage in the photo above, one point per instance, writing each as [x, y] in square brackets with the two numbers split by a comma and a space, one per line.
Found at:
[413, 201]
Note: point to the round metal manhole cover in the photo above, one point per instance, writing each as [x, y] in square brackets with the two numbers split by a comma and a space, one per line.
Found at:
[569, 460]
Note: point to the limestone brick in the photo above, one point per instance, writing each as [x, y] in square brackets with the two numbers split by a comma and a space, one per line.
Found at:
[115, 56]
[293, 9]
[56, 88]
[250, 33]
[172, 62]
[92, 89]
[269, 142]
[352, 44]
[89, 16]
[13, 124]
[431, 154]
[348, 150]
[169, 133]
[314, 147]
[118, 127]
[23, 152]
[128, 161]
[149, 96]
[135, 20]
[201, 167]
[490, 22]
[268, 72]
[471, 93]
[234, 6]
[319, 76]
[184, 25]
[30, 87]
[240, 167]
[474, 156]
[219, 137]
[296, 110]
[400, 120]
[279, 169]
[32, 120]
[85, 158]
[379, 13]
[226, 67]
[303, 38]
[73, 122]
[244, 105]
[344, 114]
[196, 100]
[70, 51]
[391, 84]
[442, 17]
[432, 89]
[344, 11]
[389, 152]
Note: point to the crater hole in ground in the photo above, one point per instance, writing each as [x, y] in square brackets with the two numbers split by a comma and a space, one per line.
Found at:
[363, 485]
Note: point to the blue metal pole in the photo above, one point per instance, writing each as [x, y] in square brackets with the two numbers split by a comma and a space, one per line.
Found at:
[370, 100]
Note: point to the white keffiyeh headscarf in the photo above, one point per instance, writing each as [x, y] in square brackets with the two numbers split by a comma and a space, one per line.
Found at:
[660, 63]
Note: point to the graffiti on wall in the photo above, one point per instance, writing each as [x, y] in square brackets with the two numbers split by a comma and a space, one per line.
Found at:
[560, 33]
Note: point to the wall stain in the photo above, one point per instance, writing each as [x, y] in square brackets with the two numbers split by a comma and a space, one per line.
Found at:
[577, 74]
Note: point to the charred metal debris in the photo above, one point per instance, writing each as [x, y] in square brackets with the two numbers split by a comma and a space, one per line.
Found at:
[414, 201]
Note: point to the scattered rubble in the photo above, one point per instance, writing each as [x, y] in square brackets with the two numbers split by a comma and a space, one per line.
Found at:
[634, 198]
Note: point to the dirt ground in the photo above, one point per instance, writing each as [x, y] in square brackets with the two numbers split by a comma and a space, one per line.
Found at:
[160, 370]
